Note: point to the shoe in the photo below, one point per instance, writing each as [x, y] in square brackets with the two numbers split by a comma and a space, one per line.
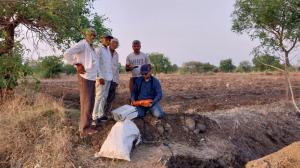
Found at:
[103, 119]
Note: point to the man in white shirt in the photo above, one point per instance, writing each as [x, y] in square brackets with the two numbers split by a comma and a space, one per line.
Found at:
[105, 76]
[114, 44]
[83, 56]
[134, 61]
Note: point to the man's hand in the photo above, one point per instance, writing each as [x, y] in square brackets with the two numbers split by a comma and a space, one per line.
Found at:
[130, 67]
[80, 69]
[101, 81]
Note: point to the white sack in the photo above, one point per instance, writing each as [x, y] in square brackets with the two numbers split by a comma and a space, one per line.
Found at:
[119, 141]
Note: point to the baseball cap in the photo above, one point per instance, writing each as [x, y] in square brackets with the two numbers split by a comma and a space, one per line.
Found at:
[145, 69]
[107, 35]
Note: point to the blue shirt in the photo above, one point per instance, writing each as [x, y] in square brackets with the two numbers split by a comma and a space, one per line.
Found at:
[150, 89]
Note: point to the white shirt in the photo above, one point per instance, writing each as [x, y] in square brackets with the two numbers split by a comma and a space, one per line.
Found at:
[105, 63]
[84, 54]
[115, 67]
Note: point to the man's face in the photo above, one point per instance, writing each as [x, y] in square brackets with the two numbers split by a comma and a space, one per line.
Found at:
[114, 45]
[90, 36]
[136, 48]
[147, 75]
[105, 41]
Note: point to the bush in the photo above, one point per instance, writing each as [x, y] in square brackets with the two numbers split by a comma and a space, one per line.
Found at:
[198, 67]
[259, 61]
[69, 69]
[12, 69]
[245, 66]
[161, 63]
[226, 66]
[49, 67]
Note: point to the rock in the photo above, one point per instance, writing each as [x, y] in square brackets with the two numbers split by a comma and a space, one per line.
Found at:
[185, 128]
[160, 130]
[190, 123]
[182, 119]
[168, 128]
[202, 128]
[196, 131]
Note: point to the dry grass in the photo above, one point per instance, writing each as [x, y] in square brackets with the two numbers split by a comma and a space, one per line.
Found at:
[33, 133]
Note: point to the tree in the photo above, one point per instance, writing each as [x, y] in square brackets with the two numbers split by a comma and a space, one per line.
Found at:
[245, 66]
[50, 66]
[121, 68]
[11, 69]
[197, 67]
[276, 23]
[57, 22]
[260, 62]
[226, 65]
[161, 63]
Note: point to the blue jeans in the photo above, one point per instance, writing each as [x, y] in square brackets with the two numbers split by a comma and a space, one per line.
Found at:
[100, 99]
[155, 110]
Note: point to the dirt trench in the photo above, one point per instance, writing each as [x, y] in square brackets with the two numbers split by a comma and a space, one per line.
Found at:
[230, 138]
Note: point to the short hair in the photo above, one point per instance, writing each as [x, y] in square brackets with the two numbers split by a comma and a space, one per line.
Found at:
[136, 42]
[114, 40]
[89, 31]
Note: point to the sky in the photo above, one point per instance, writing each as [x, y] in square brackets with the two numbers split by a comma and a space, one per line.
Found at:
[183, 30]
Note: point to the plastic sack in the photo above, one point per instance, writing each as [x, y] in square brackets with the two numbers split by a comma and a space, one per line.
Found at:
[125, 112]
[119, 141]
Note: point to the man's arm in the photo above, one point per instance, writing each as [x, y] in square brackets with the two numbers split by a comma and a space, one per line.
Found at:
[100, 67]
[158, 92]
[128, 66]
[117, 73]
[69, 55]
[134, 92]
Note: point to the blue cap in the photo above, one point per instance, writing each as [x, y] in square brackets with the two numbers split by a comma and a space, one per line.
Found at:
[145, 69]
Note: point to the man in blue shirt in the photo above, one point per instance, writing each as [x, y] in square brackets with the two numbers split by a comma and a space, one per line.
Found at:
[147, 87]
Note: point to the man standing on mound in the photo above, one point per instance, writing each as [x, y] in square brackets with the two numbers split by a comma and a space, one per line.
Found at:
[83, 56]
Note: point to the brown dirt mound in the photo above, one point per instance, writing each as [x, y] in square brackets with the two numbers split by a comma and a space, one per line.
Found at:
[287, 157]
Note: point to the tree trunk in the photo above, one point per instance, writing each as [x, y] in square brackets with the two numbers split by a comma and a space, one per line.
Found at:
[286, 68]
[9, 39]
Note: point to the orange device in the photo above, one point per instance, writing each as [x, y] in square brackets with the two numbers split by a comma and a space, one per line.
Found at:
[144, 103]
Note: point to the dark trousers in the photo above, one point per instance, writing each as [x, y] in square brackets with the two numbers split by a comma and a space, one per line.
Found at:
[87, 100]
[111, 97]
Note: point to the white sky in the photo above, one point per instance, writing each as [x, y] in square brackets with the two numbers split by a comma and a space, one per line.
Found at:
[183, 30]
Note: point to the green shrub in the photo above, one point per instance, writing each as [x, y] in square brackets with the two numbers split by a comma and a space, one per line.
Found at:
[12, 69]
[49, 67]
[226, 65]
[69, 69]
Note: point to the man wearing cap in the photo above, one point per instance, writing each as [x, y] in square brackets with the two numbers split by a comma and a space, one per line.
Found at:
[83, 56]
[147, 88]
[104, 78]
[134, 61]
[114, 44]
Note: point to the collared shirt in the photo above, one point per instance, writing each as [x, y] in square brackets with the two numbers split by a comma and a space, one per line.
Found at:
[115, 66]
[137, 60]
[105, 63]
[84, 54]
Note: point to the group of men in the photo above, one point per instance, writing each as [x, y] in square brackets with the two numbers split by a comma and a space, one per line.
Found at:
[98, 76]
